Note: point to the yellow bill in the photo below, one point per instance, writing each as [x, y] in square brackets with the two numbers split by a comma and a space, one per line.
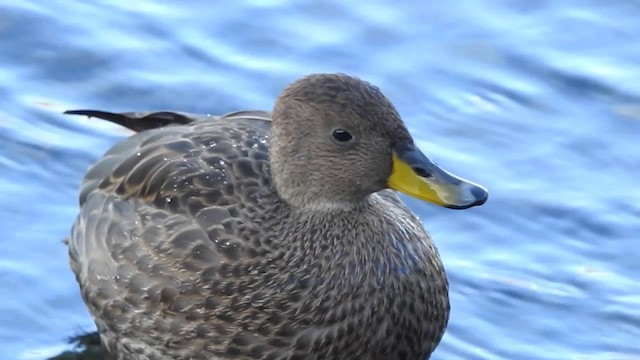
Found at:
[415, 175]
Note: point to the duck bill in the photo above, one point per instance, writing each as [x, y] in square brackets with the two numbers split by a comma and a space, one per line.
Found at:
[415, 175]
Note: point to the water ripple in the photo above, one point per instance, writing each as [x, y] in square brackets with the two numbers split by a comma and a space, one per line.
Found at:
[537, 100]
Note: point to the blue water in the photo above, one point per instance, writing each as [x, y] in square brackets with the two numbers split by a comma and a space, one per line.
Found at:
[537, 100]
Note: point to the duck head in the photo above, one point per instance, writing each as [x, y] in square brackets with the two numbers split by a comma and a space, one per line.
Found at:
[337, 139]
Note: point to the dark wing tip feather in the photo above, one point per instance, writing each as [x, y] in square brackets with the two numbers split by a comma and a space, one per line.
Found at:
[137, 121]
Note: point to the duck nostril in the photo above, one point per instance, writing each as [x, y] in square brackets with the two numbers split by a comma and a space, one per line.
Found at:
[422, 172]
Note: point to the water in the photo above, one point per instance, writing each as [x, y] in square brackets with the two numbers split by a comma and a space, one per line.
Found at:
[539, 101]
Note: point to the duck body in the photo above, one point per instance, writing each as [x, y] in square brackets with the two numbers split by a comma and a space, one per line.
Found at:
[174, 263]
[186, 248]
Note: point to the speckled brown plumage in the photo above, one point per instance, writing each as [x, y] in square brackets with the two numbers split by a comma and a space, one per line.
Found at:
[186, 248]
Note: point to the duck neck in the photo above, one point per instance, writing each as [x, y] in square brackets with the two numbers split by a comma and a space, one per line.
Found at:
[329, 226]
[309, 195]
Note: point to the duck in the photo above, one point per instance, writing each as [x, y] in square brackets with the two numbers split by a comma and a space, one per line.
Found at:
[257, 234]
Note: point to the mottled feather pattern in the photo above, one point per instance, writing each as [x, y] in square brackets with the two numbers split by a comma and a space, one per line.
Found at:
[174, 262]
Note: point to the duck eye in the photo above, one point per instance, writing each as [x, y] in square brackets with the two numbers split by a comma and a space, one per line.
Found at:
[342, 135]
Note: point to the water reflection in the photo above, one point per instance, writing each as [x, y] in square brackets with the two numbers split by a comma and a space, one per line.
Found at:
[86, 347]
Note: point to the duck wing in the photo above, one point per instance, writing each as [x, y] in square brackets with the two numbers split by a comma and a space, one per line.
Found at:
[140, 121]
[167, 217]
